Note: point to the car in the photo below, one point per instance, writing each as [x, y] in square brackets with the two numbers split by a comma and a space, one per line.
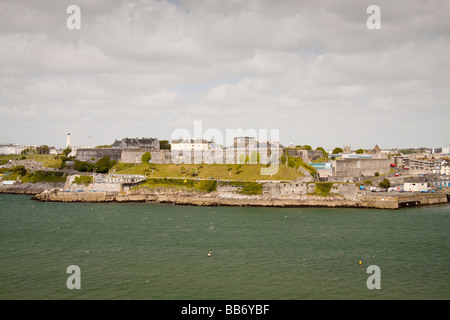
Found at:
[396, 175]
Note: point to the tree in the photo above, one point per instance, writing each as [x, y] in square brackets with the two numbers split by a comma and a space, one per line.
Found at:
[325, 155]
[66, 151]
[164, 145]
[306, 147]
[247, 159]
[83, 166]
[104, 164]
[146, 157]
[385, 183]
[359, 151]
[44, 149]
[253, 157]
[241, 158]
[337, 150]
[20, 170]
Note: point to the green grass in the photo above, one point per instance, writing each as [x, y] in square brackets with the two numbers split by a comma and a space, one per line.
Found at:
[245, 172]
[248, 187]
[44, 176]
[323, 188]
[47, 160]
[84, 180]
[184, 184]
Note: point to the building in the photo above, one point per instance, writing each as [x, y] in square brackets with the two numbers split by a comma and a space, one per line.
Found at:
[136, 143]
[6, 149]
[415, 186]
[191, 144]
[245, 142]
[376, 149]
[445, 168]
[441, 183]
[69, 141]
[358, 167]
[424, 165]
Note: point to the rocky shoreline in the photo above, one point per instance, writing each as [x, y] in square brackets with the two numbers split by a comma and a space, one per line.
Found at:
[54, 192]
[219, 199]
[31, 188]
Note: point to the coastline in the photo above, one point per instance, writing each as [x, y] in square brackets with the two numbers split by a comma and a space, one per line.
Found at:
[53, 192]
[178, 197]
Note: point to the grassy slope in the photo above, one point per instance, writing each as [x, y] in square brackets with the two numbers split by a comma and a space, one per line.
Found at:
[248, 172]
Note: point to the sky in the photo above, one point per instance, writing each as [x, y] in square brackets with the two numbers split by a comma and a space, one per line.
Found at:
[311, 70]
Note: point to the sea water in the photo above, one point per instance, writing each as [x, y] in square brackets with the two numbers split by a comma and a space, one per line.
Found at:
[160, 251]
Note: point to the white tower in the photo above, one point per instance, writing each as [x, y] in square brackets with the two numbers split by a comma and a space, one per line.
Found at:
[69, 142]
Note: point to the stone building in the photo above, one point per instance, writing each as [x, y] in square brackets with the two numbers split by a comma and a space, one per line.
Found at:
[136, 143]
[355, 167]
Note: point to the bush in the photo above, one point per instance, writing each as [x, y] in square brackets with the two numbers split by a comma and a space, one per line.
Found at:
[146, 157]
[45, 176]
[104, 164]
[385, 184]
[84, 180]
[83, 166]
[323, 188]
[20, 170]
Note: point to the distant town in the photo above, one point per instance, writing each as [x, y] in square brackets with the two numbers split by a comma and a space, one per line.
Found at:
[292, 171]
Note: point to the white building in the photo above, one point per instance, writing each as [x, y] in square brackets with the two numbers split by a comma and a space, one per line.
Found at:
[445, 168]
[415, 186]
[191, 144]
[446, 150]
[11, 149]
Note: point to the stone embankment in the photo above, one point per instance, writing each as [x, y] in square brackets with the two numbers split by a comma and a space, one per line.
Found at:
[30, 188]
[181, 197]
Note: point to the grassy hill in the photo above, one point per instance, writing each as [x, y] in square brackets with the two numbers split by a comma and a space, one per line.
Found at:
[47, 160]
[245, 172]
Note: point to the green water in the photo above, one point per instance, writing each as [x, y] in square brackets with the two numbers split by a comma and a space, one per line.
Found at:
[151, 251]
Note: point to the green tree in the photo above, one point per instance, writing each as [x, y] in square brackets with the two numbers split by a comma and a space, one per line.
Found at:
[104, 164]
[44, 149]
[241, 158]
[385, 183]
[359, 151]
[325, 154]
[306, 147]
[83, 166]
[247, 159]
[66, 151]
[337, 150]
[146, 157]
[164, 145]
[20, 170]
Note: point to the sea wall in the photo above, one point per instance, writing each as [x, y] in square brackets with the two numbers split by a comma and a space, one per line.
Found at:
[184, 197]
[30, 188]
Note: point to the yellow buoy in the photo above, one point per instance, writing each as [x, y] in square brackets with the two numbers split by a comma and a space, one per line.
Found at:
[359, 262]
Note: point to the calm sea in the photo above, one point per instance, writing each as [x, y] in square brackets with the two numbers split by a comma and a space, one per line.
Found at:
[155, 251]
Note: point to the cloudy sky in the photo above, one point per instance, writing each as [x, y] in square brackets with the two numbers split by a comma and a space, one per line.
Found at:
[311, 69]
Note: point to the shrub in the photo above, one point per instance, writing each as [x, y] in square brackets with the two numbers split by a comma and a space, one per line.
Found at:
[385, 184]
[146, 157]
[20, 170]
[84, 180]
[323, 188]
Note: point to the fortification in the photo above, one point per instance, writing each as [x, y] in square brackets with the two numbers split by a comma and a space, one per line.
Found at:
[92, 155]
